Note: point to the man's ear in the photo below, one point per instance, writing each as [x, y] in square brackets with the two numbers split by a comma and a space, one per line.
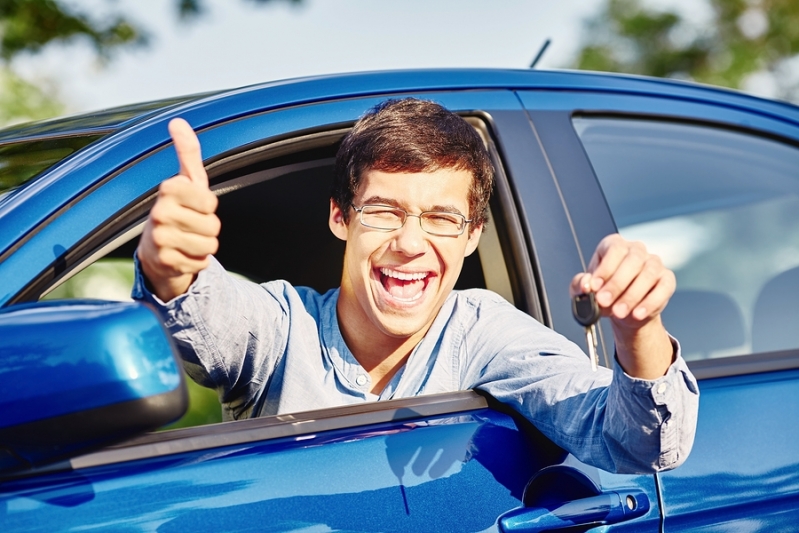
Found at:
[336, 221]
[474, 240]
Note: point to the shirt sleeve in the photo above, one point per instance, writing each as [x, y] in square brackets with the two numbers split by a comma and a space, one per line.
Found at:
[221, 343]
[604, 418]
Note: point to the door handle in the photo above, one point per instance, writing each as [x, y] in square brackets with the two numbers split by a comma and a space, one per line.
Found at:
[603, 509]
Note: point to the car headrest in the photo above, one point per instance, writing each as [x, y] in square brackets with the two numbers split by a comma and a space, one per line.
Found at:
[775, 323]
[704, 322]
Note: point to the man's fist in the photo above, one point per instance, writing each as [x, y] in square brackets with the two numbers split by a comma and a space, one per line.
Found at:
[182, 229]
[632, 288]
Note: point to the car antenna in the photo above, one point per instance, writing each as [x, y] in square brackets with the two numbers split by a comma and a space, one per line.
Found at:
[540, 53]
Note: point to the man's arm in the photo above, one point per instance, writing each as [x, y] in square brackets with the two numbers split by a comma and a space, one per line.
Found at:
[181, 232]
[632, 288]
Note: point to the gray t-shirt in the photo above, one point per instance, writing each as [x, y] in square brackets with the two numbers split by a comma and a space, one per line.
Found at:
[274, 348]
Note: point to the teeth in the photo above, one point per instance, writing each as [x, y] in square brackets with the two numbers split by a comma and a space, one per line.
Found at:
[404, 276]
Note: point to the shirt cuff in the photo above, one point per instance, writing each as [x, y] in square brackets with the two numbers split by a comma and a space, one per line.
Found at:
[142, 293]
[676, 373]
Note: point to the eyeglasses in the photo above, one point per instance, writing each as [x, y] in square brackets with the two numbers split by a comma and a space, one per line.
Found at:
[387, 218]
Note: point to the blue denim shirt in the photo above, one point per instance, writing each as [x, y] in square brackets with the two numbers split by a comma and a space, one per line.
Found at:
[274, 348]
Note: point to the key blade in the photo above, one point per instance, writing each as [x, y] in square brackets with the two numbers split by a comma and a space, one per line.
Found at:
[590, 337]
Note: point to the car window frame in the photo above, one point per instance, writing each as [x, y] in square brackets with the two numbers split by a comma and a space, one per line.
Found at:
[127, 223]
[128, 216]
[592, 216]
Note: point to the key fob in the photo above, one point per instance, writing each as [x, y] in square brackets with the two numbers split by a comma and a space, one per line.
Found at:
[585, 309]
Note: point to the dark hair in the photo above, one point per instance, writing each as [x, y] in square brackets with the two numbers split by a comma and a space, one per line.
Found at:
[412, 135]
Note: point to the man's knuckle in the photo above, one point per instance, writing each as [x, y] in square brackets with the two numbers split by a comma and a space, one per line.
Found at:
[216, 225]
[160, 236]
[213, 201]
[158, 213]
[653, 266]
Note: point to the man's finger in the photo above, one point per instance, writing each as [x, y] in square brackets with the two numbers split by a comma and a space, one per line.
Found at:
[187, 146]
[657, 299]
[581, 284]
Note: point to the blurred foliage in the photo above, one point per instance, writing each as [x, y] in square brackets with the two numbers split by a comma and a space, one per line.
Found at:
[743, 38]
[203, 409]
[28, 26]
[21, 100]
[112, 279]
[188, 9]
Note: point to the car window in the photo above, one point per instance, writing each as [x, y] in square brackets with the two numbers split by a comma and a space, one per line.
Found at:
[22, 161]
[721, 208]
[273, 206]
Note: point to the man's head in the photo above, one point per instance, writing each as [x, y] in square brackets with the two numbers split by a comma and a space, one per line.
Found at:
[413, 135]
[414, 157]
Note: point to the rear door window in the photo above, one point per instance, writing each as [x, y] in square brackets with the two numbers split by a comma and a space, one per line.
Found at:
[721, 208]
[20, 162]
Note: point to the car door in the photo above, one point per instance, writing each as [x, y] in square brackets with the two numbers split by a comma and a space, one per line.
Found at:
[457, 462]
[707, 179]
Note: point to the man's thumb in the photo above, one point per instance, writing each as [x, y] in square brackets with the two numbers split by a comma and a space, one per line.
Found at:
[187, 147]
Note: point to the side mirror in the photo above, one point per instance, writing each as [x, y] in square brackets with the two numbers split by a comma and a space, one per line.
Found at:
[79, 375]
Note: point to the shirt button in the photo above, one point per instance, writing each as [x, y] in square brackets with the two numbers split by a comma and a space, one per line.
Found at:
[361, 380]
[662, 388]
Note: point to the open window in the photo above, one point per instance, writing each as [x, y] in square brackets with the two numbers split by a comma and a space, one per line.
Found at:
[274, 205]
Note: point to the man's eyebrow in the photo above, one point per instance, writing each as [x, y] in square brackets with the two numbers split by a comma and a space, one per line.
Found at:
[445, 208]
[380, 200]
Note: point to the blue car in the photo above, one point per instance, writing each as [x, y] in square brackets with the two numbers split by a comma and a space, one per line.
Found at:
[707, 178]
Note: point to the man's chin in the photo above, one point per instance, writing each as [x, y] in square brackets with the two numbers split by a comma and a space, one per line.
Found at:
[406, 323]
[401, 332]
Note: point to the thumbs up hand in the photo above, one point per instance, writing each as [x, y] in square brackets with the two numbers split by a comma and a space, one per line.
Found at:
[181, 232]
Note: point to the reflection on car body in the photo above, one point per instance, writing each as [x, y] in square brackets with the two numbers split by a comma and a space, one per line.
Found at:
[706, 176]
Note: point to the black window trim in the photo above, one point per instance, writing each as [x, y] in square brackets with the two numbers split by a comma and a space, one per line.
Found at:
[260, 429]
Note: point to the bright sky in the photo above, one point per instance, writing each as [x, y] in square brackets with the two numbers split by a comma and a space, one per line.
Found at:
[239, 43]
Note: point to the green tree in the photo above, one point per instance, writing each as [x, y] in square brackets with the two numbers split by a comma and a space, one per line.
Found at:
[743, 38]
[28, 26]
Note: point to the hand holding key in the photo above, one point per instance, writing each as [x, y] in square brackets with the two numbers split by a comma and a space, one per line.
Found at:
[181, 231]
[631, 287]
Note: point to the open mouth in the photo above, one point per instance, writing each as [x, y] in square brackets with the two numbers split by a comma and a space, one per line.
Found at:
[404, 286]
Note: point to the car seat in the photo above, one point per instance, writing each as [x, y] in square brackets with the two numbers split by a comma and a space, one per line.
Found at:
[704, 322]
[775, 323]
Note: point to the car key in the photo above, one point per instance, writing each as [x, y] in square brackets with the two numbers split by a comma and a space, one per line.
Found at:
[586, 313]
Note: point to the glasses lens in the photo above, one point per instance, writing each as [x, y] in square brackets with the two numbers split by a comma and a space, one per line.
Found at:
[382, 217]
[442, 223]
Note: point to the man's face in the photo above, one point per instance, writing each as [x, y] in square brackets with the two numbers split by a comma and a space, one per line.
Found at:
[395, 282]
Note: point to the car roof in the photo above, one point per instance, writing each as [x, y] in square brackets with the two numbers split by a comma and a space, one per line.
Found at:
[328, 87]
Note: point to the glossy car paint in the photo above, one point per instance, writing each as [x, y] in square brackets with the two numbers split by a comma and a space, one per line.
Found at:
[743, 473]
[440, 473]
[740, 474]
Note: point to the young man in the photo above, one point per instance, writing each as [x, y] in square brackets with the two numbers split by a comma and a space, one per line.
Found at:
[410, 196]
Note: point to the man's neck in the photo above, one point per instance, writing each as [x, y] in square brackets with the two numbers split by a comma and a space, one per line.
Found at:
[381, 355]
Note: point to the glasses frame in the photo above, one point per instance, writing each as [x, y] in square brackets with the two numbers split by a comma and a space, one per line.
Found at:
[464, 222]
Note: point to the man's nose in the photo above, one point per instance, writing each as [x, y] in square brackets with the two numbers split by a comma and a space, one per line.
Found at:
[410, 239]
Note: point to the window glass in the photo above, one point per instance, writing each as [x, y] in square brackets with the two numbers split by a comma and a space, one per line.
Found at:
[20, 162]
[721, 208]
